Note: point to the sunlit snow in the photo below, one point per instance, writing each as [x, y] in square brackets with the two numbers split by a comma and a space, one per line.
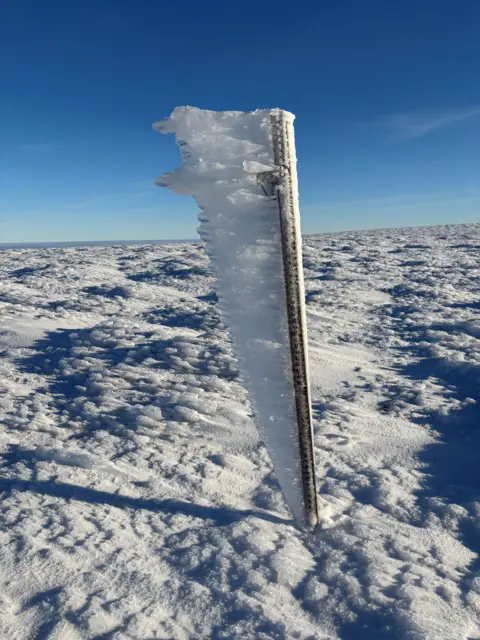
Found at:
[136, 498]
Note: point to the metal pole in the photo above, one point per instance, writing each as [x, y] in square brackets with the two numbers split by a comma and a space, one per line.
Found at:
[286, 195]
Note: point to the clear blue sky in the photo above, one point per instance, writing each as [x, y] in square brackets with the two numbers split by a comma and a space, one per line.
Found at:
[386, 94]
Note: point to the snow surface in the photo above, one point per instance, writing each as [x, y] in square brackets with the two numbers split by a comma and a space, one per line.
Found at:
[137, 501]
[223, 154]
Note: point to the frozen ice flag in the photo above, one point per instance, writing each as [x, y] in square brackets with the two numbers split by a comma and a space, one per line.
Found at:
[241, 169]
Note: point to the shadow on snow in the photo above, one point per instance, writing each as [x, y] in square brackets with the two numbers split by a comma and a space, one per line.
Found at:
[220, 516]
[451, 469]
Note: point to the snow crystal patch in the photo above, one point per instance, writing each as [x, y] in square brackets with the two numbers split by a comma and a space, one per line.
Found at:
[114, 292]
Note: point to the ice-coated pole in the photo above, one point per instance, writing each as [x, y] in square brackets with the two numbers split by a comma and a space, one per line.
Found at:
[241, 169]
[286, 194]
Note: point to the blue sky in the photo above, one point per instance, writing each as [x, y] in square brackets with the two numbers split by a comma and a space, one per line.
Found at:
[386, 95]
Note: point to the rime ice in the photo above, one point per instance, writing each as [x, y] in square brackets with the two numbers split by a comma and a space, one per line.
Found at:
[223, 154]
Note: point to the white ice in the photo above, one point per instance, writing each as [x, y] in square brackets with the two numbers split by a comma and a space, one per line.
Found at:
[222, 155]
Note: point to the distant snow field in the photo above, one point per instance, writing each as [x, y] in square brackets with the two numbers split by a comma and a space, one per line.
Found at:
[137, 501]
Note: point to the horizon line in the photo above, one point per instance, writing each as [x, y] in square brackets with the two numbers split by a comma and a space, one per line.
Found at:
[54, 243]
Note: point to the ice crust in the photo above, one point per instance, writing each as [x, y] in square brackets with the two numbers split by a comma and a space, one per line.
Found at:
[223, 154]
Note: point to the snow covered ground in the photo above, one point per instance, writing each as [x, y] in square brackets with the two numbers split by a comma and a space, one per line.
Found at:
[136, 499]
